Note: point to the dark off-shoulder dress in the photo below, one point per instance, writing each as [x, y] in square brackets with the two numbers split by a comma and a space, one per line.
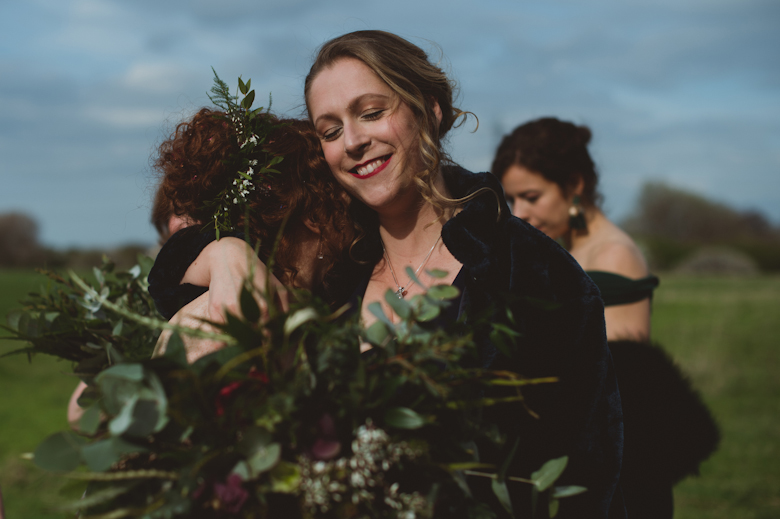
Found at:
[668, 430]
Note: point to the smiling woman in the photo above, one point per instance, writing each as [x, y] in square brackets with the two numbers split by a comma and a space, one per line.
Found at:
[380, 109]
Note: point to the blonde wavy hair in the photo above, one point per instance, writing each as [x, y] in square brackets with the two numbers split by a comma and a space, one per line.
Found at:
[406, 69]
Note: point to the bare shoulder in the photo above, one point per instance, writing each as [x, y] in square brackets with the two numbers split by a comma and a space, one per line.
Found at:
[616, 252]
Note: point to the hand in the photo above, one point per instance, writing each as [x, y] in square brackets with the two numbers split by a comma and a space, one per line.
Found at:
[223, 266]
[191, 315]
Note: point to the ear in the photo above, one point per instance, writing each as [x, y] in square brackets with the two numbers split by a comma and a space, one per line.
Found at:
[437, 110]
[313, 227]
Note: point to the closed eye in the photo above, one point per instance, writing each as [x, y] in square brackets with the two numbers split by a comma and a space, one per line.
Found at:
[372, 116]
[331, 133]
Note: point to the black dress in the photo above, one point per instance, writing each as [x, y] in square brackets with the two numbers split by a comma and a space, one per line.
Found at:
[668, 430]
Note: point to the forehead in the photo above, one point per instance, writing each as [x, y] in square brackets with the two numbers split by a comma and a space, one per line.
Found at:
[519, 178]
[341, 83]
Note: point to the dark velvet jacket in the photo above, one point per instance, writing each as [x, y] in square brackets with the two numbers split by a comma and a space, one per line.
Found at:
[559, 312]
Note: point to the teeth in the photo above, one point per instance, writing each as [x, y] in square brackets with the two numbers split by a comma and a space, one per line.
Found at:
[370, 167]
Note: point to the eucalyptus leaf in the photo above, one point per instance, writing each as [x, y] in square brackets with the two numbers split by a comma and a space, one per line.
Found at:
[242, 86]
[376, 309]
[265, 458]
[90, 420]
[122, 421]
[377, 333]
[133, 372]
[427, 311]
[413, 277]
[400, 306]
[437, 273]
[403, 418]
[59, 452]
[443, 292]
[550, 471]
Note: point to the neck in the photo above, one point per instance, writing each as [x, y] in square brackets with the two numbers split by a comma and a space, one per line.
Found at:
[411, 229]
[594, 220]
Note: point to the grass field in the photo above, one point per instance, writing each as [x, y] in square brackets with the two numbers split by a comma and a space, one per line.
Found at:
[723, 331]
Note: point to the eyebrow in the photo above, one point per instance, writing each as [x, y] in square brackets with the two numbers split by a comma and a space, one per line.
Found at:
[352, 106]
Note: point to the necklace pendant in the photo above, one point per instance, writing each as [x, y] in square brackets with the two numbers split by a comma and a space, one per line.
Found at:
[400, 293]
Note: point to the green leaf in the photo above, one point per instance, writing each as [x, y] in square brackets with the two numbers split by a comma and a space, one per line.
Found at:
[567, 491]
[437, 273]
[175, 350]
[117, 328]
[403, 418]
[265, 458]
[427, 311]
[121, 422]
[59, 452]
[248, 84]
[242, 86]
[550, 471]
[376, 309]
[377, 333]
[399, 306]
[134, 372]
[443, 292]
[299, 317]
[101, 455]
[12, 318]
[285, 478]
[90, 420]
[413, 277]
[249, 306]
[502, 493]
[554, 505]
[248, 100]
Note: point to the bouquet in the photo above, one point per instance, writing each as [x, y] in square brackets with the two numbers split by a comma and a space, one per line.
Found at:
[290, 419]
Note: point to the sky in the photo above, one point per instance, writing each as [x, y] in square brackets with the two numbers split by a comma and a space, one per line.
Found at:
[681, 91]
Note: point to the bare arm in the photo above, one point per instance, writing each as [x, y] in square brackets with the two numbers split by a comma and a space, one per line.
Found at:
[629, 321]
[223, 266]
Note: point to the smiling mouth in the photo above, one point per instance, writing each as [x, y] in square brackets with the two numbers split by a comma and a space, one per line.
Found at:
[371, 168]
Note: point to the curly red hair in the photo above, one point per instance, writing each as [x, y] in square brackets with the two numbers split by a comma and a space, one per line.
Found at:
[198, 161]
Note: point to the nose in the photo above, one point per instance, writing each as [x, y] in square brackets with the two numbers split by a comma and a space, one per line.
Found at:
[520, 209]
[355, 139]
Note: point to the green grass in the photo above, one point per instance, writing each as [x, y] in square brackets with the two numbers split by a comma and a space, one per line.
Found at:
[723, 331]
[33, 403]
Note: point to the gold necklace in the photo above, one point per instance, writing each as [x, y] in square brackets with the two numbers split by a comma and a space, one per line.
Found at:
[401, 292]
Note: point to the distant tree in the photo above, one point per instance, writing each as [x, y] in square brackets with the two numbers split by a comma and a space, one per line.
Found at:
[673, 224]
[676, 214]
[18, 240]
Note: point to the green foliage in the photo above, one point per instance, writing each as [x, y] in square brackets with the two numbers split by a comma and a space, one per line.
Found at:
[254, 164]
[66, 321]
[291, 402]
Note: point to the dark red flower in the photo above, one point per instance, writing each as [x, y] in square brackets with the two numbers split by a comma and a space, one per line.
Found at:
[231, 494]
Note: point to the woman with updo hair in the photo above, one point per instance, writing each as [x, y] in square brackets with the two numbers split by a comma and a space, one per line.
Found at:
[197, 163]
[550, 181]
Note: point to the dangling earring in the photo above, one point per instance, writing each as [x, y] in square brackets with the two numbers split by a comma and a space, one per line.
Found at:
[320, 256]
[577, 215]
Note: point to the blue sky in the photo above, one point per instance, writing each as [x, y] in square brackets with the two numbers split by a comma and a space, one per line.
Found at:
[684, 91]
